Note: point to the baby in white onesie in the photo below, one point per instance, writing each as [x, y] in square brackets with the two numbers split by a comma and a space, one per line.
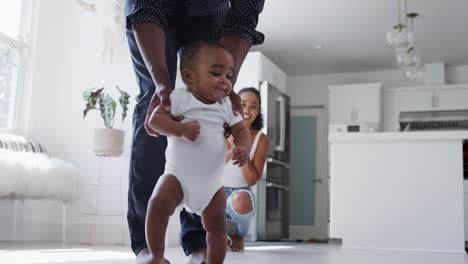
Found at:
[197, 149]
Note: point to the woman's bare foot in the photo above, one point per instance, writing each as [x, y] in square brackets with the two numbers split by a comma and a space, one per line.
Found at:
[237, 243]
[144, 257]
[229, 242]
[197, 257]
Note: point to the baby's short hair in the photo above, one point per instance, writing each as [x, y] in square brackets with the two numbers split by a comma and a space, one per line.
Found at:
[190, 51]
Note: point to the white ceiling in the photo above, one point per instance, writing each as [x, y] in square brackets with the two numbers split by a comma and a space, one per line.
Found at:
[352, 33]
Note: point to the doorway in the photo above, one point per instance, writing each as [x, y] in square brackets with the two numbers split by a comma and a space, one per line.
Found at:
[309, 193]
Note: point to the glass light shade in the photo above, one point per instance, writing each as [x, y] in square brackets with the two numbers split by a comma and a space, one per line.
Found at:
[408, 60]
[400, 38]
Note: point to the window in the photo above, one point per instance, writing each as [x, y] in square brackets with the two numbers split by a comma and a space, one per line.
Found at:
[10, 57]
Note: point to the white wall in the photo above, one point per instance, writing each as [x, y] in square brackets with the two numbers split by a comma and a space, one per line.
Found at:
[66, 61]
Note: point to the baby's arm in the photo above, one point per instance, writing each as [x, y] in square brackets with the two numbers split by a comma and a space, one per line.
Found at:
[242, 143]
[161, 122]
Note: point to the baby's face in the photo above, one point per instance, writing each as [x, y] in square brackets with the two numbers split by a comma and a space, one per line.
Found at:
[213, 71]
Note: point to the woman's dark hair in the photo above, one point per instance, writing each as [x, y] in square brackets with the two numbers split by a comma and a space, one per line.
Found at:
[258, 122]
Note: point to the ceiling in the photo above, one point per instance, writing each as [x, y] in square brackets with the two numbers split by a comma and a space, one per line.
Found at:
[353, 34]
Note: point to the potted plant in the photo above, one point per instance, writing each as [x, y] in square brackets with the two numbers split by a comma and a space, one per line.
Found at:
[108, 141]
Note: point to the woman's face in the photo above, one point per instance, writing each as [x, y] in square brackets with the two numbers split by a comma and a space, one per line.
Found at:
[250, 106]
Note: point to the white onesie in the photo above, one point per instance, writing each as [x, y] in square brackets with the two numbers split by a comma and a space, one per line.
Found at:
[199, 165]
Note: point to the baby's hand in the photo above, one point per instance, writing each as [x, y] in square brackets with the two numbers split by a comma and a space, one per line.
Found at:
[191, 130]
[239, 156]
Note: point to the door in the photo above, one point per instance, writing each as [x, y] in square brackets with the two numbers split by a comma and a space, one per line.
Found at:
[309, 198]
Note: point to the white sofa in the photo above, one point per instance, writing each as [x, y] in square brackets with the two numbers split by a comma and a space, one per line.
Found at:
[27, 172]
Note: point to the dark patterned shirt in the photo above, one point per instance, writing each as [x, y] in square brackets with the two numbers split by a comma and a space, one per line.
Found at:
[241, 19]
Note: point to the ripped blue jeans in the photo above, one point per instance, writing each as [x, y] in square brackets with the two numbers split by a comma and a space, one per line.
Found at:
[242, 220]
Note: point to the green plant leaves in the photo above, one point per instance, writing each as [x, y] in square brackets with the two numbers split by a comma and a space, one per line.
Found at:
[123, 100]
[107, 105]
[91, 97]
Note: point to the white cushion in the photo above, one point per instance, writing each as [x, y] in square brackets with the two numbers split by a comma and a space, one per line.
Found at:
[25, 175]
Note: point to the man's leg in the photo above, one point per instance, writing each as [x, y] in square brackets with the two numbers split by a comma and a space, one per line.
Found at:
[148, 153]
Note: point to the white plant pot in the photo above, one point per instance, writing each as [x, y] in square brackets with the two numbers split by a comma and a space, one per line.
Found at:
[108, 142]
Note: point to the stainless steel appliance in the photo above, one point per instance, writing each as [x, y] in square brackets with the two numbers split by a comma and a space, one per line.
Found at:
[434, 120]
[273, 187]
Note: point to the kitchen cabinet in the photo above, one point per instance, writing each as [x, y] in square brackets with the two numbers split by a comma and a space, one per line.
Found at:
[416, 100]
[453, 99]
[435, 98]
[356, 103]
[424, 98]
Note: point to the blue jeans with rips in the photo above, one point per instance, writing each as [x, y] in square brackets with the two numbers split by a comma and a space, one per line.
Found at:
[242, 220]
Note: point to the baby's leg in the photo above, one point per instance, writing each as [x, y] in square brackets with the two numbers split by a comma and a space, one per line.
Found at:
[166, 196]
[214, 222]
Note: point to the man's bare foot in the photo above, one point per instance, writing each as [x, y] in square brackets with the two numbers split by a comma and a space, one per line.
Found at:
[144, 257]
[237, 243]
[197, 257]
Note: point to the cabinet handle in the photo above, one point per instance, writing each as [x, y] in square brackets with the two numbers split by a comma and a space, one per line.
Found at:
[352, 114]
[357, 114]
[437, 101]
[433, 101]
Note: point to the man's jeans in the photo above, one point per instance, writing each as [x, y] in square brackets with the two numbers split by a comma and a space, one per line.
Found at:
[148, 153]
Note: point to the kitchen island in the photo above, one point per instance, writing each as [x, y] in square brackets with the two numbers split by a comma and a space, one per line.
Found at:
[398, 191]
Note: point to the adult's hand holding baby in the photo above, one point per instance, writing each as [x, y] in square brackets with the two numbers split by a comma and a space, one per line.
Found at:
[236, 104]
[164, 97]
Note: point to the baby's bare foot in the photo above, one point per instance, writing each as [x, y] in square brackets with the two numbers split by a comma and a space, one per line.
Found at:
[197, 257]
[144, 257]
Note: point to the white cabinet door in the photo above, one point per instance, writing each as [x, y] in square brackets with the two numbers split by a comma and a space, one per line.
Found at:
[413, 101]
[367, 105]
[453, 99]
[341, 107]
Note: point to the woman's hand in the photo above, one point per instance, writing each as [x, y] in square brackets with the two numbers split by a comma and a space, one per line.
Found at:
[239, 155]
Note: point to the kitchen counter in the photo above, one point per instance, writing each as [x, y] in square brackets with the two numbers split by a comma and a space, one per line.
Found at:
[398, 136]
[398, 191]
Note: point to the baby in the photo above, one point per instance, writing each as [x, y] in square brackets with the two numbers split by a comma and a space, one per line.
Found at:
[196, 149]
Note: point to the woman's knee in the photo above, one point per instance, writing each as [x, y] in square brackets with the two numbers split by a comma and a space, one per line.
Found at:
[242, 202]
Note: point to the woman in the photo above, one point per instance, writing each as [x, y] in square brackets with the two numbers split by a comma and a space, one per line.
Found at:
[240, 206]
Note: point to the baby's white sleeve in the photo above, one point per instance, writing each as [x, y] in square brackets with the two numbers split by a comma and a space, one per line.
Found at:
[176, 98]
[231, 117]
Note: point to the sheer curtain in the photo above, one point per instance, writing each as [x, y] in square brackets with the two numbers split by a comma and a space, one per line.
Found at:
[15, 31]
